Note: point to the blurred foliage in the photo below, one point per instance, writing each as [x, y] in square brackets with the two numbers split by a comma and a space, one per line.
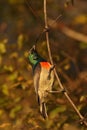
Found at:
[19, 28]
[80, 19]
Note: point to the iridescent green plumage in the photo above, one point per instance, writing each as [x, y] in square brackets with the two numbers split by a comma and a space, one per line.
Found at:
[34, 57]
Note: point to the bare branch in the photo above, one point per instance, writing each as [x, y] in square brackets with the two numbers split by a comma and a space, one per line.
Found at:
[31, 9]
[57, 77]
[68, 32]
[75, 35]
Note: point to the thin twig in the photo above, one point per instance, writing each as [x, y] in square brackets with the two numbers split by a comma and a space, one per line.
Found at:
[65, 30]
[45, 29]
[55, 72]
[31, 9]
[56, 19]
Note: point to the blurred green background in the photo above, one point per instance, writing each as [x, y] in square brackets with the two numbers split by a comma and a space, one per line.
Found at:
[21, 22]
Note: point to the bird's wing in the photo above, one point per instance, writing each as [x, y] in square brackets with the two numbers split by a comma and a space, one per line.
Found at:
[37, 72]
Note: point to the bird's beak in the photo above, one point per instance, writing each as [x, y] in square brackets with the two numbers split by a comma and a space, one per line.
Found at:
[32, 49]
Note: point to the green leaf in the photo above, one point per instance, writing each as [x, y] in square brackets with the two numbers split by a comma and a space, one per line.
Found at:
[2, 48]
[13, 76]
[57, 110]
[20, 41]
[1, 112]
[8, 68]
[0, 59]
[5, 89]
[82, 98]
[14, 111]
[83, 45]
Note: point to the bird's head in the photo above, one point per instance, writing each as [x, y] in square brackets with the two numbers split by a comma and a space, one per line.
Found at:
[33, 55]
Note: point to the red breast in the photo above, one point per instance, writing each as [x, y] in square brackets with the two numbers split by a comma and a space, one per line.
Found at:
[46, 65]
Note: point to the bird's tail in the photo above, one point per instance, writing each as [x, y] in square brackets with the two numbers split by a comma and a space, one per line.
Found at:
[43, 110]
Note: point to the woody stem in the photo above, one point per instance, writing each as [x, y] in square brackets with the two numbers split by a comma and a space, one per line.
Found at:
[55, 72]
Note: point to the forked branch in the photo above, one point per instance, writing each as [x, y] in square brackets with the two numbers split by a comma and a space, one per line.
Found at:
[55, 72]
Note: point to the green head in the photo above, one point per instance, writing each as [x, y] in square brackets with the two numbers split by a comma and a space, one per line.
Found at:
[34, 57]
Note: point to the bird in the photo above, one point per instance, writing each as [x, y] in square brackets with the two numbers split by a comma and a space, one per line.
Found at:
[43, 78]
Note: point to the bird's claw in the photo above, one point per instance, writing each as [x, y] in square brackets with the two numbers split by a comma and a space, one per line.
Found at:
[50, 70]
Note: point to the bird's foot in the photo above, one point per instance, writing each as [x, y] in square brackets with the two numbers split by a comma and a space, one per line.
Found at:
[59, 91]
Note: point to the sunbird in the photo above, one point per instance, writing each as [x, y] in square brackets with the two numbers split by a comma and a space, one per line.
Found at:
[43, 76]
